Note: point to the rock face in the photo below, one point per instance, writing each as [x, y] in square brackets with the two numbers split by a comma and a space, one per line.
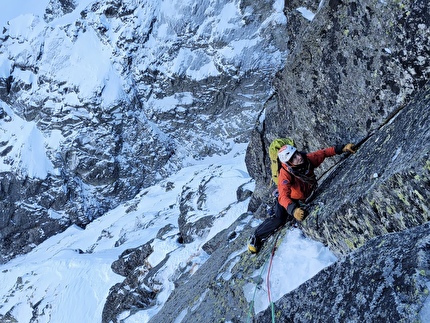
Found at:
[350, 69]
[381, 275]
[383, 188]
[356, 72]
[210, 295]
[344, 82]
[131, 293]
[20, 200]
[386, 280]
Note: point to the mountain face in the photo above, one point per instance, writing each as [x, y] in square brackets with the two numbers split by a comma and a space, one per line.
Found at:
[371, 90]
[351, 69]
[372, 212]
[358, 73]
[166, 83]
[117, 95]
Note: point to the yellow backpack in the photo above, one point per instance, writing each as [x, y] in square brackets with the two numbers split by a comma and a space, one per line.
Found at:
[275, 164]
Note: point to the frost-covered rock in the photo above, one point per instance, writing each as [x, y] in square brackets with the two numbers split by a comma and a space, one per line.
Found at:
[131, 293]
[123, 93]
[340, 62]
[387, 280]
[182, 81]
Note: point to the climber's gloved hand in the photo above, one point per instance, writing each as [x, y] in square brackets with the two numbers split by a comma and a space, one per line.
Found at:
[349, 148]
[299, 214]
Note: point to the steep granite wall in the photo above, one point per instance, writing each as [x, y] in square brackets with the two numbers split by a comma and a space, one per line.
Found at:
[383, 188]
[349, 71]
[381, 274]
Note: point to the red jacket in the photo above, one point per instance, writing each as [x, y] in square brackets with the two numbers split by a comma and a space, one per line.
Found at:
[293, 188]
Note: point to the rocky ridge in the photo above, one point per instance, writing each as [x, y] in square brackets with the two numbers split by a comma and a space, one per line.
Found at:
[385, 280]
[344, 78]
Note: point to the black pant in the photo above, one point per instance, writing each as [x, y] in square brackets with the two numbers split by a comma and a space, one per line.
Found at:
[270, 225]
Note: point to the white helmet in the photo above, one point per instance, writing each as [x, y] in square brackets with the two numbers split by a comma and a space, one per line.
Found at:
[285, 153]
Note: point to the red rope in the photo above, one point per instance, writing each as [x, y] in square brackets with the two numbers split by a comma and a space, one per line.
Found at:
[268, 279]
[270, 269]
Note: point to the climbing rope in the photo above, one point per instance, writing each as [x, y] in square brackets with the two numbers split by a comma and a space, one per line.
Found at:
[251, 305]
[272, 305]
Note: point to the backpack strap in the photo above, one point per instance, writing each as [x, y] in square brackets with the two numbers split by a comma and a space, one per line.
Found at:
[289, 170]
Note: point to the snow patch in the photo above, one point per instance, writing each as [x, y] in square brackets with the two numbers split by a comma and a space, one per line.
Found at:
[306, 13]
[25, 151]
[425, 310]
[296, 254]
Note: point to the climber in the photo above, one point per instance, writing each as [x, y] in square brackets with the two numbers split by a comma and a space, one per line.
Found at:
[296, 184]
